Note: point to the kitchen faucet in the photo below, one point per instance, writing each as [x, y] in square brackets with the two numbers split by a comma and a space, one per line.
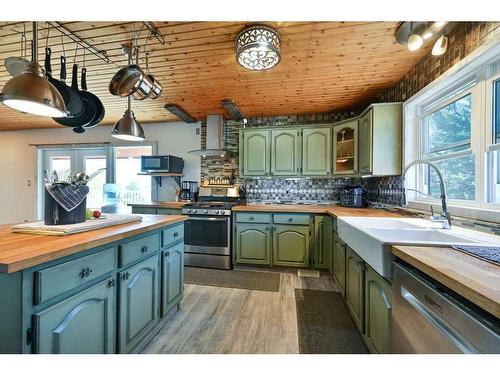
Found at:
[444, 217]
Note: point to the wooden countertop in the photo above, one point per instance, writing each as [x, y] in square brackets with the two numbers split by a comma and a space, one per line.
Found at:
[19, 251]
[331, 209]
[473, 278]
[159, 204]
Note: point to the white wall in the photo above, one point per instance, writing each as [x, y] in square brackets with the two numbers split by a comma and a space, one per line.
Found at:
[18, 160]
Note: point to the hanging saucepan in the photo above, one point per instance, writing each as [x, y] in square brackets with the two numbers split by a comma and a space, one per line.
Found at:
[157, 88]
[131, 80]
[89, 111]
[72, 100]
[99, 113]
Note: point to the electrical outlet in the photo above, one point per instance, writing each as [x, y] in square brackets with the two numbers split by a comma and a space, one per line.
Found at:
[28, 183]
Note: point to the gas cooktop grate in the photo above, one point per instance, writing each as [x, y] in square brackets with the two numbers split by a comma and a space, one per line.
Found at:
[490, 254]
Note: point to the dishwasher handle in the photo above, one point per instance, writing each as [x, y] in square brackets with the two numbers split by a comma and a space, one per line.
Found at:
[456, 339]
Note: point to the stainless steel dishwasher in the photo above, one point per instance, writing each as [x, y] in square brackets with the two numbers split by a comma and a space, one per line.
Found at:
[428, 318]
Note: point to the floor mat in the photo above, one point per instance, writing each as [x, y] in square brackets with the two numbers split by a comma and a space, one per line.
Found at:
[325, 325]
[264, 281]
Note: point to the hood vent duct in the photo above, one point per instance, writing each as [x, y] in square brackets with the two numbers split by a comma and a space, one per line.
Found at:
[215, 139]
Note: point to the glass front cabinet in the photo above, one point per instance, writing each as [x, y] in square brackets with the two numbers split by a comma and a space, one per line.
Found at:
[345, 148]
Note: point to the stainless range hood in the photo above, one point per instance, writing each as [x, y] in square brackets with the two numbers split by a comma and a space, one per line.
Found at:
[215, 139]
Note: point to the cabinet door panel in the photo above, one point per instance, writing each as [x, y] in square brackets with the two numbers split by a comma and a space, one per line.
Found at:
[139, 300]
[365, 142]
[354, 294]
[284, 152]
[253, 243]
[339, 264]
[316, 152]
[172, 277]
[256, 158]
[322, 241]
[378, 309]
[291, 245]
[82, 324]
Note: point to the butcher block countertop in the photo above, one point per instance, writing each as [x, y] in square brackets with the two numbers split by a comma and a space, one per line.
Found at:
[160, 204]
[473, 278]
[331, 209]
[19, 251]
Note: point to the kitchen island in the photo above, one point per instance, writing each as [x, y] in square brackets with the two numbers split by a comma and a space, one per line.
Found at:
[102, 291]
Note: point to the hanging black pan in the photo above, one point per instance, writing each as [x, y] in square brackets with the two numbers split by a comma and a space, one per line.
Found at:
[99, 108]
[89, 110]
[72, 100]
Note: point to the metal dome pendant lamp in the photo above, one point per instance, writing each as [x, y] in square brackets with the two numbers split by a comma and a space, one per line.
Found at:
[258, 47]
[31, 92]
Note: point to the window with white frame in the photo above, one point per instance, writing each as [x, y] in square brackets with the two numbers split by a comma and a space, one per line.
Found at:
[455, 124]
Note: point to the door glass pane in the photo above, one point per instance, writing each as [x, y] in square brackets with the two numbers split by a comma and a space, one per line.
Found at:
[131, 187]
[95, 164]
[448, 129]
[345, 150]
[62, 165]
[459, 178]
[496, 111]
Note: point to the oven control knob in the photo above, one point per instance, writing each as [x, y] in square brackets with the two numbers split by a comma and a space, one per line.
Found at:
[188, 211]
[217, 212]
[193, 211]
[205, 212]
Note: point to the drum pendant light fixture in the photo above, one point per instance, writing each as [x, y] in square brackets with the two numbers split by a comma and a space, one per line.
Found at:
[31, 91]
[258, 47]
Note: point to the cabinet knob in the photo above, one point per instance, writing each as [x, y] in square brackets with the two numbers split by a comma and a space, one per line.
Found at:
[125, 276]
[290, 219]
[176, 234]
[267, 228]
[111, 283]
[144, 249]
[85, 272]
[167, 254]
[250, 218]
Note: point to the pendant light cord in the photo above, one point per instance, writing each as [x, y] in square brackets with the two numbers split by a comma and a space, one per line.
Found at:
[34, 52]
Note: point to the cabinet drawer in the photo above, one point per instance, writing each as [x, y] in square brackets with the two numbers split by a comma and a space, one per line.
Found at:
[143, 210]
[172, 234]
[168, 211]
[56, 280]
[139, 248]
[292, 219]
[253, 217]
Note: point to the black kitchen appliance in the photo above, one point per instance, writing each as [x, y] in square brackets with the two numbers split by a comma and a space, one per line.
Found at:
[353, 196]
[55, 214]
[162, 163]
[189, 191]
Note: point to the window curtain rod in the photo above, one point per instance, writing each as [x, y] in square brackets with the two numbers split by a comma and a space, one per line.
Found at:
[69, 145]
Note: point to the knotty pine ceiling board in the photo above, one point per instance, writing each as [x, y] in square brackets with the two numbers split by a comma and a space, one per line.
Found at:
[325, 66]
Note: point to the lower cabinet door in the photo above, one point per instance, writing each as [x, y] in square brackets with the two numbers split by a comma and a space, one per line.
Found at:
[172, 277]
[291, 245]
[82, 324]
[378, 309]
[253, 243]
[354, 289]
[339, 264]
[322, 241]
[138, 302]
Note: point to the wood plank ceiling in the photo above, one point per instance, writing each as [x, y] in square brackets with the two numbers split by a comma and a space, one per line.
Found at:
[325, 66]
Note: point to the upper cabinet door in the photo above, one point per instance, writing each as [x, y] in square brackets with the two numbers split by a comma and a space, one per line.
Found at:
[365, 142]
[345, 148]
[316, 152]
[285, 152]
[255, 155]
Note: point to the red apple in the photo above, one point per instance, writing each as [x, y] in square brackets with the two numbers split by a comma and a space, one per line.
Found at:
[96, 214]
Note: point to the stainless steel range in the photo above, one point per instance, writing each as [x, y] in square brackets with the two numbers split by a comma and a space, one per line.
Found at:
[207, 232]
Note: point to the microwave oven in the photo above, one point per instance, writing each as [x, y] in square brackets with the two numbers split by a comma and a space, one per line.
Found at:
[162, 163]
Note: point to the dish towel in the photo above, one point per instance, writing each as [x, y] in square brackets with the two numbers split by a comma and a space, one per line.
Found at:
[67, 195]
[63, 230]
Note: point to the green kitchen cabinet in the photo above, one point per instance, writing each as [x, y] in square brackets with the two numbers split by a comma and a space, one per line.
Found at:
[380, 140]
[81, 324]
[285, 159]
[345, 148]
[168, 211]
[378, 307]
[354, 287]
[255, 151]
[291, 245]
[138, 302]
[316, 151]
[144, 210]
[339, 263]
[322, 241]
[172, 277]
[253, 243]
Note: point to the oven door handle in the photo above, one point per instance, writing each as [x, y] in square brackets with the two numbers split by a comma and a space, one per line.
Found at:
[198, 218]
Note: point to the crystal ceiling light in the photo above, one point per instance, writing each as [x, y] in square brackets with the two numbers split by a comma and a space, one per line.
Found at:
[258, 47]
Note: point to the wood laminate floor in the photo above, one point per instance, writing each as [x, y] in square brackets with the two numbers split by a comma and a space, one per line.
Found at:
[225, 320]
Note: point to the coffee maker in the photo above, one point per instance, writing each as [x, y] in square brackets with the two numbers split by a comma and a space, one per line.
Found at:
[189, 191]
